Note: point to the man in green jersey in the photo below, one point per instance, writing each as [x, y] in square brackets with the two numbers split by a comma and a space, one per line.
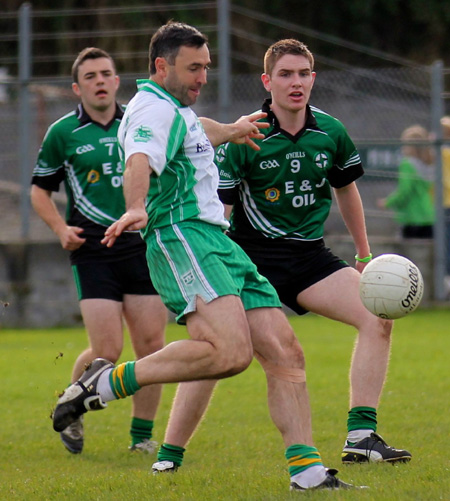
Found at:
[281, 196]
[231, 312]
[113, 283]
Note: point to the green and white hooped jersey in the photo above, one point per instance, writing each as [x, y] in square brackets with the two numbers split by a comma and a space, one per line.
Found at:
[285, 188]
[85, 156]
[184, 181]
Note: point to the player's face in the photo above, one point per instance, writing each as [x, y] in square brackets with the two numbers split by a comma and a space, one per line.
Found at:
[97, 84]
[184, 79]
[290, 83]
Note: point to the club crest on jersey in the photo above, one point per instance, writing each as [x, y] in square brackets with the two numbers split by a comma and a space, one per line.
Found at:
[142, 134]
[321, 160]
[220, 154]
[272, 194]
[93, 176]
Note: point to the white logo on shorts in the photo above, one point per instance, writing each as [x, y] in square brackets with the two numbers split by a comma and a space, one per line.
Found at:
[188, 278]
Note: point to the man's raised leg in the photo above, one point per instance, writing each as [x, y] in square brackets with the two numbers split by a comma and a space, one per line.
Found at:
[220, 346]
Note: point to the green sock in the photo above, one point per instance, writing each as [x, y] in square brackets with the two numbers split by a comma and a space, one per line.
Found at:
[362, 418]
[172, 453]
[123, 380]
[141, 429]
[301, 457]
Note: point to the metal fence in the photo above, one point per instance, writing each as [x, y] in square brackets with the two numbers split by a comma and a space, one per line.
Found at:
[375, 102]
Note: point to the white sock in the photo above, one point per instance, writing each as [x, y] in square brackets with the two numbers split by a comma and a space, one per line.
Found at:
[104, 388]
[310, 477]
[355, 436]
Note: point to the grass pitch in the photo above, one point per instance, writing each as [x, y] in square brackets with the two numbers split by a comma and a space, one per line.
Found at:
[237, 454]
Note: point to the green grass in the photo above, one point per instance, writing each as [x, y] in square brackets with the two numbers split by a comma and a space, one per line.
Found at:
[236, 454]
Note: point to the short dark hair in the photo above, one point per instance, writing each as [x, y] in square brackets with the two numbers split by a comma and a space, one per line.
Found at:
[166, 42]
[89, 53]
[283, 47]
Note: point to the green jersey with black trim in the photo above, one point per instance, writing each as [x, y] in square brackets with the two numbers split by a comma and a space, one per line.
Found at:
[80, 152]
[285, 188]
[84, 155]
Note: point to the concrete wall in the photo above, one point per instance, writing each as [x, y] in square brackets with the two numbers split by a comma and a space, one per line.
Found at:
[36, 279]
[36, 282]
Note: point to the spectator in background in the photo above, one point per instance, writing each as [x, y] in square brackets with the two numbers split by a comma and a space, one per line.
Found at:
[413, 200]
[445, 122]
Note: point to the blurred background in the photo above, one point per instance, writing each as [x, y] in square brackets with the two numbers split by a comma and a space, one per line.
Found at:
[382, 66]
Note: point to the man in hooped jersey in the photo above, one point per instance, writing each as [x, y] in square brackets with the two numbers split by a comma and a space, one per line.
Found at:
[81, 150]
[281, 198]
[231, 312]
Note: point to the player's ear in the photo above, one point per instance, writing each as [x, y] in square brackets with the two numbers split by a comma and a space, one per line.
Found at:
[265, 79]
[161, 66]
[76, 89]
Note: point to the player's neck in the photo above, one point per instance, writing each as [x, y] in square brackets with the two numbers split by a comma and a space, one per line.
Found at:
[290, 121]
[101, 116]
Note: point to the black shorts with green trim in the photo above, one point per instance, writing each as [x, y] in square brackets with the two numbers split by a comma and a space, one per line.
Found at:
[113, 279]
[291, 266]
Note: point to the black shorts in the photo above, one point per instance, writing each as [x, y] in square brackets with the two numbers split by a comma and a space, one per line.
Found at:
[292, 267]
[113, 279]
[415, 231]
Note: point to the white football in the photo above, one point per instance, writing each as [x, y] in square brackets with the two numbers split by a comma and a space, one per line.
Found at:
[391, 286]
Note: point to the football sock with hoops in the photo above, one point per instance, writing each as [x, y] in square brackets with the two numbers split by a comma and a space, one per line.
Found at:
[141, 429]
[361, 422]
[123, 380]
[172, 453]
[301, 457]
[305, 465]
[119, 382]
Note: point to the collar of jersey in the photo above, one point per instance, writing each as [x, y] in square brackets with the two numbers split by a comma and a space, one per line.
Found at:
[266, 108]
[310, 123]
[84, 118]
[151, 86]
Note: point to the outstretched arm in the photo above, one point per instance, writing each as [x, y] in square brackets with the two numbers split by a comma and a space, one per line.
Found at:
[351, 208]
[243, 131]
[136, 183]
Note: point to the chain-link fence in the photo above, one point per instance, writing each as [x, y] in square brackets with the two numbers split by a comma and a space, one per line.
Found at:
[374, 117]
[374, 113]
[375, 103]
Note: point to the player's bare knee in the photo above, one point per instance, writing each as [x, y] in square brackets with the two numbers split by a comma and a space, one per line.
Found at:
[240, 361]
[376, 328]
[291, 351]
[236, 367]
[150, 346]
[386, 327]
[110, 353]
[233, 361]
[284, 371]
[282, 357]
